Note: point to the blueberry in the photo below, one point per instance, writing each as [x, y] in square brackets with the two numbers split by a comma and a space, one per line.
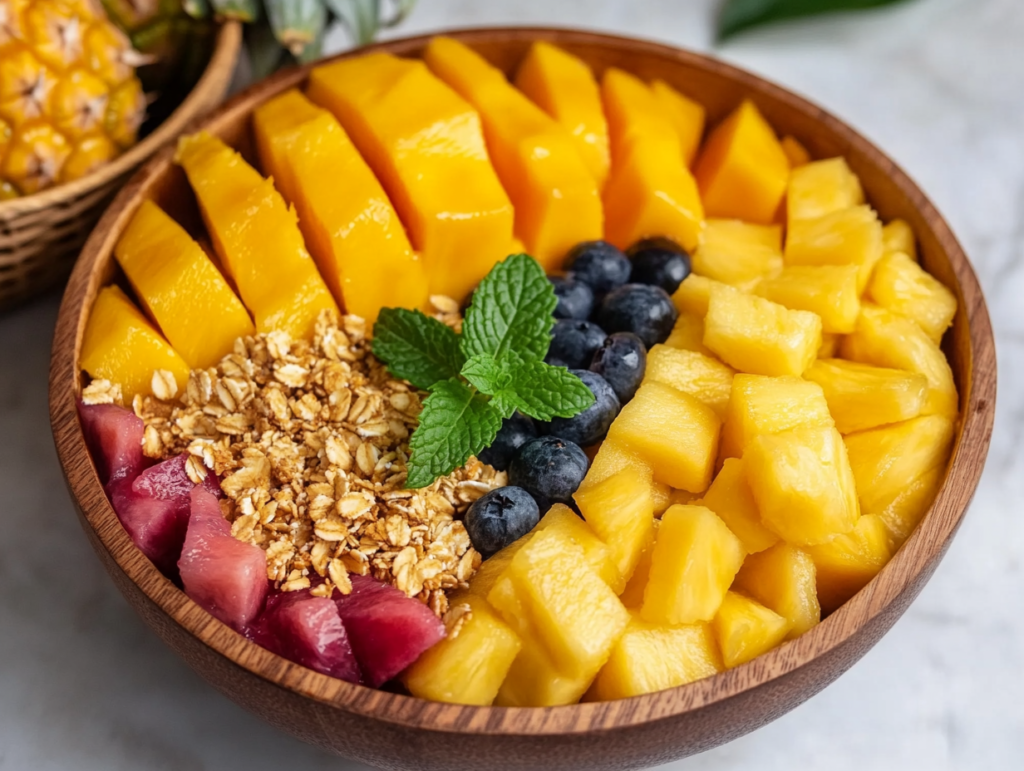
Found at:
[599, 265]
[591, 425]
[500, 517]
[549, 468]
[513, 434]
[621, 361]
[646, 311]
[573, 343]
[659, 262]
[575, 299]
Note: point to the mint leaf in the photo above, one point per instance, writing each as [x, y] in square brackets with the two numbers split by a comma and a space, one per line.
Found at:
[416, 347]
[454, 424]
[487, 373]
[544, 392]
[511, 311]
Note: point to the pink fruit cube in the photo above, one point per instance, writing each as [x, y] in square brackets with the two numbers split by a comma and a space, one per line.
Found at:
[114, 437]
[222, 574]
[388, 631]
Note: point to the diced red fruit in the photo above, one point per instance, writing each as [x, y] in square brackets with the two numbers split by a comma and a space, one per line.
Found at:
[388, 631]
[114, 437]
[168, 480]
[223, 575]
[308, 631]
[156, 525]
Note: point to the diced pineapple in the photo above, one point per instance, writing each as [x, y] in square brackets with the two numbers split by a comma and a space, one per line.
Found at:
[829, 345]
[730, 498]
[795, 152]
[471, 663]
[633, 595]
[821, 188]
[688, 335]
[534, 681]
[611, 458]
[768, 405]
[690, 372]
[560, 517]
[551, 595]
[694, 294]
[620, 511]
[897, 236]
[745, 629]
[758, 336]
[903, 513]
[885, 339]
[846, 237]
[845, 564]
[491, 569]
[673, 432]
[802, 483]
[695, 559]
[860, 396]
[828, 290]
[902, 286]
[685, 115]
[738, 253]
[783, 578]
[653, 657]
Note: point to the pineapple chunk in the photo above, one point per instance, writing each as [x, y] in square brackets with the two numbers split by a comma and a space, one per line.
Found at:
[860, 396]
[730, 498]
[768, 405]
[745, 629]
[898, 236]
[611, 458]
[903, 513]
[693, 373]
[492, 568]
[845, 564]
[621, 512]
[829, 346]
[549, 594]
[902, 286]
[758, 336]
[686, 116]
[783, 578]
[560, 517]
[673, 432]
[738, 253]
[633, 595]
[821, 188]
[534, 681]
[653, 657]
[688, 335]
[802, 483]
[828, 290]
[886, 460]
[885, 339]
[694, 294]
[742, 170]
[469, 665]
[795, 152]
[846, 237]
[695, 559]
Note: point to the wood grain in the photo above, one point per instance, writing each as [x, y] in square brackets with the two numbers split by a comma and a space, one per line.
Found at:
[399, 732]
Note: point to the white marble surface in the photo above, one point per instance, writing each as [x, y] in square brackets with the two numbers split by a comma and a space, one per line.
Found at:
[940, 85]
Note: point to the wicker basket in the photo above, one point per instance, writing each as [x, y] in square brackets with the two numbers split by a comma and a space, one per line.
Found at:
[41, 234]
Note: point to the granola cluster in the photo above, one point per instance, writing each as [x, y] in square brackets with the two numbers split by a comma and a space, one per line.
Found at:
[311, 441]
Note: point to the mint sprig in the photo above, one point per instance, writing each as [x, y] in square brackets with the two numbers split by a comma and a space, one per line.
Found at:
[482, 376]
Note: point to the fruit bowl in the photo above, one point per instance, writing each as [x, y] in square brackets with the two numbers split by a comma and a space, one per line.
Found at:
[392, 730]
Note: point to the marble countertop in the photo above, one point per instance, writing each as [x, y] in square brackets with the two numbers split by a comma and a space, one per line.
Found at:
[939, 84]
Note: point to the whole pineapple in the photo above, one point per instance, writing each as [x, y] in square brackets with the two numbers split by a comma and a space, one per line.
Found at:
[69, 97]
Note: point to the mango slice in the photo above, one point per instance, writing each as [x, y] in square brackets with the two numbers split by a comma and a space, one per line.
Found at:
[730, 498]
[693, 373]
[686, 116]
[797, 154]
[783, 578]
[902, 286]
[745, 629]
[860, 396]
[845, 564]
[827, 290]
[738, 253]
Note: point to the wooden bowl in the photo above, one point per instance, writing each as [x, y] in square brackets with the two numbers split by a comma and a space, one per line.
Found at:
[41, 234]
[399, 732]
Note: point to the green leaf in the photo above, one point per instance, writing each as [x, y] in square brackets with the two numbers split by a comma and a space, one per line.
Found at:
[738, 15]
[297, 24]
[455, 423]
[416, 347]
[544, 392]
[360, 17]
[511, 311]
[488, 374]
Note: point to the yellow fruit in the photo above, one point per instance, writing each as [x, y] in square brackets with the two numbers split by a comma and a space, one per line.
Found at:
[695, 559]
[599, 556]
[688, 335]
[181, 288]
[633, 595]
[534, 681]
[694, 294]
[491, 569]
[860, 396]
[730, 498]
[897, 236]
[556, 198]
[673, 432]
[906, 509]
[783, 579]
[846, 237]
[88, 154]
[653, 657]
[821, 188]
[829, 346]
[845, 564]
[685, 115]
[742, 170]
[738, 253]
[120, 345]
[471, 663]
[744, 629]
[795, 152]
[803, 484]
[693, 373]
[827, 290]
[564, 87]
[902, 286]
[35, 157]
[611, 458]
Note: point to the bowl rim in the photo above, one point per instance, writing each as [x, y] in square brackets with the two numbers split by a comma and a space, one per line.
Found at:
[917, 557]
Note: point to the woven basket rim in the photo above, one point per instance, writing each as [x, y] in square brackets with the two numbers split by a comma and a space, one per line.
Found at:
[225, 52]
